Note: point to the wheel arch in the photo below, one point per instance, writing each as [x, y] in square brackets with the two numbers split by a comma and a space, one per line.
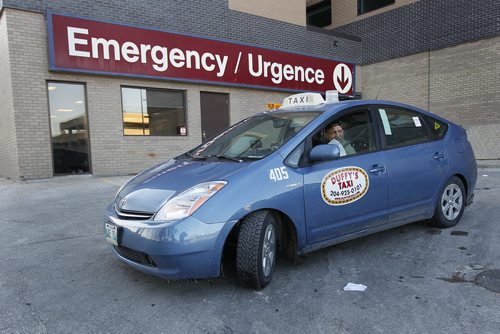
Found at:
[287, 234]
[464, 182]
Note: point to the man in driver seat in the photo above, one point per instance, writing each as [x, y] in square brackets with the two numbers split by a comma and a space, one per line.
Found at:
[330, 138]
[337, 132]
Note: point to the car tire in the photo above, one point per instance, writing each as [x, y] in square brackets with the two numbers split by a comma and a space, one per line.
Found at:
[450, 204]
[256, 249]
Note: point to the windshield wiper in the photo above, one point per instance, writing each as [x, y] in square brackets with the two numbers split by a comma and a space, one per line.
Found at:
[218, 156]
[194, 157]
[222, 156]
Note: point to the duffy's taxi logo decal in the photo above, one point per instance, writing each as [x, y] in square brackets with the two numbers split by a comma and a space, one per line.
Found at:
[344, 185]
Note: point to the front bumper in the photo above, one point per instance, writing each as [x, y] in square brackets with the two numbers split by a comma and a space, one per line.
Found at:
[188, 248]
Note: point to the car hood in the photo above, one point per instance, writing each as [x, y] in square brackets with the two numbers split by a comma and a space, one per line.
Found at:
[149, 190]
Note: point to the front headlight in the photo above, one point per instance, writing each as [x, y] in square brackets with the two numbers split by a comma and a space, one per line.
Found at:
[184, 204]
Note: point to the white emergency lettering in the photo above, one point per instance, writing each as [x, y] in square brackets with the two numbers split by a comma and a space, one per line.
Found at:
[162, 57]
[278, 71]
[130, 52]
[73, 41]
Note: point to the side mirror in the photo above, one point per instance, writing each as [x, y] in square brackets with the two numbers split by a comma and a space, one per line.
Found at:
[324, 152]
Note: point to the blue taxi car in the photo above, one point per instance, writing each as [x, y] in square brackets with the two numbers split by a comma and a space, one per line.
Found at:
[308, 175]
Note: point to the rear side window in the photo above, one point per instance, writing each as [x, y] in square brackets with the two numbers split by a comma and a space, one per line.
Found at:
[402, 127]
[437, 128]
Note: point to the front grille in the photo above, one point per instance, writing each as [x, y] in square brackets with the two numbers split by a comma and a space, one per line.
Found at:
[135, 256]
[132, 215]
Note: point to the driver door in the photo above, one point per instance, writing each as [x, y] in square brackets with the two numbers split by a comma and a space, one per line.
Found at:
[348, 194]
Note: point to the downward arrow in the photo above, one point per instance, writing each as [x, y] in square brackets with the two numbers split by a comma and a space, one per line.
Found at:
[342, 81]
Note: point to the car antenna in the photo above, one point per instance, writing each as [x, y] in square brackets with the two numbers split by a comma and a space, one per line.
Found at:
[381, 86]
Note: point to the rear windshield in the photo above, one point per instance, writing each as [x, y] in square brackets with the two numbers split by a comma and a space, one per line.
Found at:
[254, 137]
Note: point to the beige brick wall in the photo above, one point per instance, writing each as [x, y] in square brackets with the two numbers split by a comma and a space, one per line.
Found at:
[8, 143]
[28, 52]
[248, 102]
[291, 11]
[403, 79]
[464, 88]
[111, 152]
[467, 77]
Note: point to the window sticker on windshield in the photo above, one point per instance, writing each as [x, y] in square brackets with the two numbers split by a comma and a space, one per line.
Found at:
[385, 122]
[436, 126]
[416, 120]
[344, 185]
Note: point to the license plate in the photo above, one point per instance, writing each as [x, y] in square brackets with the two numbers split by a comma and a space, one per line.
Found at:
[111, 233]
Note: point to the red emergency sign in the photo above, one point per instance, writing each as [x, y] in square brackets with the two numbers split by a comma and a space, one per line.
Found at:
[82, 45]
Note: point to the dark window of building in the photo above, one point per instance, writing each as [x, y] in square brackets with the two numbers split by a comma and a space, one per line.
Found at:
[365, 6]
[153, 112]
[320, 14]
[402, 127]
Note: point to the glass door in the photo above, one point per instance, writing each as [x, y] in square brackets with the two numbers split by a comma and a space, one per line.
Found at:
[69, 128]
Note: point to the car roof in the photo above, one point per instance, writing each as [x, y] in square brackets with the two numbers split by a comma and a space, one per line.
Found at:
[342, 105]
[334, 107]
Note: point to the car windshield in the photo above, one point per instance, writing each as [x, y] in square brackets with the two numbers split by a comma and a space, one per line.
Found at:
[254, 137]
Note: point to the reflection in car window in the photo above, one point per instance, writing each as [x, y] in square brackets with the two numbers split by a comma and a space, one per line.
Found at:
[254, 137]
[402, 127]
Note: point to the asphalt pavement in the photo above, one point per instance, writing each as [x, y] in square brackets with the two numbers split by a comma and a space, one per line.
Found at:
[58, 275]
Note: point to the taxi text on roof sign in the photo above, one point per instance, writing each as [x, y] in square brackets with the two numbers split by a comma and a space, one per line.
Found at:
[303, 99]
[83, 45]
[310, 99]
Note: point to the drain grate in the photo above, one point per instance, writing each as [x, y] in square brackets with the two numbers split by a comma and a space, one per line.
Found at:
[489, 279]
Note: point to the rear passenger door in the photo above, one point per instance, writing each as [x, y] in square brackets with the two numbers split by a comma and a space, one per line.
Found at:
[415, 163]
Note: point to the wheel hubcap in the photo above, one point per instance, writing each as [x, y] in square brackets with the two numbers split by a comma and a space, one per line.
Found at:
[451, 202]
[268, 250]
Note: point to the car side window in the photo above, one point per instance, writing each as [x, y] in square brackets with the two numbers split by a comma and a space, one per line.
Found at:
[294, 158]
[437, 128]
[402, 127]
[353, 132]
[359, 136]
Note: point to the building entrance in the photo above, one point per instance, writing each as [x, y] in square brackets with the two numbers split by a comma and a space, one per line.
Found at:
[214, 114]
[69, 129]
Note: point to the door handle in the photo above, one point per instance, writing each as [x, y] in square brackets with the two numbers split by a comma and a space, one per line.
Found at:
[438, 156]
[377, 169]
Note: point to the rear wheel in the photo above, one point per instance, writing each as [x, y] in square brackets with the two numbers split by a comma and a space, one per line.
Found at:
[451, 204]
[256, 250]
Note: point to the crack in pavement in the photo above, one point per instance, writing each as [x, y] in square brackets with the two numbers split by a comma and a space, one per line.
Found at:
[53, 240]
[33, 312]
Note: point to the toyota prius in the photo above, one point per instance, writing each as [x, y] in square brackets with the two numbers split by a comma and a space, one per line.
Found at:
[280, 183]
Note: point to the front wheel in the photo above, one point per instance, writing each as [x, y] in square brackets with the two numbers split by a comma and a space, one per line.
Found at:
[256, 250]
[451, 204]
